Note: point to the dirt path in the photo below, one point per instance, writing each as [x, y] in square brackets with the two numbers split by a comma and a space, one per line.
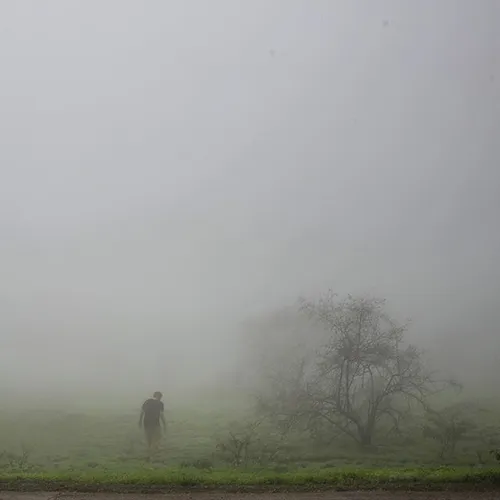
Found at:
[256, 496]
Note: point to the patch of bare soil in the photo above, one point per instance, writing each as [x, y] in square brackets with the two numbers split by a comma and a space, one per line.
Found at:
[214, 495]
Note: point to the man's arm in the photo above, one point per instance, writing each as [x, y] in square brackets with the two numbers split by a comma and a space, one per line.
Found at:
[141, 417]
[162, 416]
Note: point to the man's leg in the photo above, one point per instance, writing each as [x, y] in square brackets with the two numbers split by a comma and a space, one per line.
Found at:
[155, 438]
[148, 434]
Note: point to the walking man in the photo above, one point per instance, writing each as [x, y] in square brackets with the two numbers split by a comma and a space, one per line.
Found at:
[152, 414]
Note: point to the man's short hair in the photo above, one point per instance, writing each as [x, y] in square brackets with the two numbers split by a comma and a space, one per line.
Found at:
[157, 395]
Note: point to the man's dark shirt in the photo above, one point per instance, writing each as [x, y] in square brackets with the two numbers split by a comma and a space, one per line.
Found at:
[152, 409]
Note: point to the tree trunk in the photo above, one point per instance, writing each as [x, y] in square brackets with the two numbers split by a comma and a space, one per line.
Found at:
[366, 440]
[366, 432]
[365, 436]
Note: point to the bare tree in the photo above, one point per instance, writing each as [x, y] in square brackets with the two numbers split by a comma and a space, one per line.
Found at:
[361, 375]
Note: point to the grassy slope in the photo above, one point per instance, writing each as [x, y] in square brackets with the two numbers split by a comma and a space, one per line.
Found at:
[98, 441]
[104, 451]
[340, 479]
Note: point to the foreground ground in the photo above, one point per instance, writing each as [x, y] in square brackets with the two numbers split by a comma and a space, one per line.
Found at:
[101, 454]
[230, 481]
[214, 495]
[204, 437]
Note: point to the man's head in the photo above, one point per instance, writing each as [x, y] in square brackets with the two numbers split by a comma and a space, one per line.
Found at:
[158, 395]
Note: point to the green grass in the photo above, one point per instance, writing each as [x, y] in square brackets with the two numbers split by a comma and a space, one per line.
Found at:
[89, 441]
[341, 479]
[88, 451]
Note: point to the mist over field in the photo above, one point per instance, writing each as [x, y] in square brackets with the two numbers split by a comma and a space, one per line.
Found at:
[170, 171]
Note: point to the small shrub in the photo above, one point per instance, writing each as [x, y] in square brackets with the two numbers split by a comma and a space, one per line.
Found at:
[201, 464]
[234, 448]
[447, 428]
[17, 462]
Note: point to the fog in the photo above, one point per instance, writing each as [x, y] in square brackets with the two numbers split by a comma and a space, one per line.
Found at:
[171, 169]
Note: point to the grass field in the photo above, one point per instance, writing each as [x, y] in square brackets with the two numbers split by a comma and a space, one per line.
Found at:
[82, 450]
